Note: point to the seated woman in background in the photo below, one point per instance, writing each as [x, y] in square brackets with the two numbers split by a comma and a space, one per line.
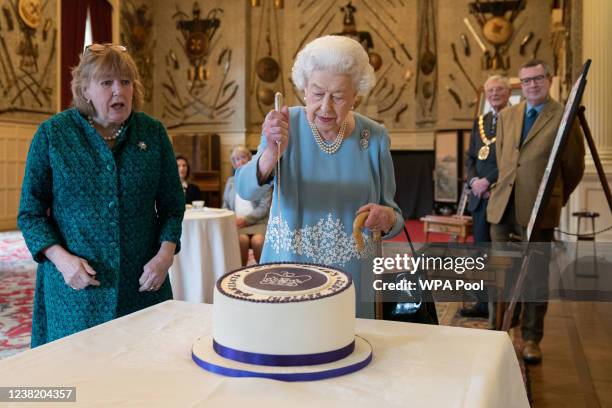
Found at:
[251, 216]
[192, 192]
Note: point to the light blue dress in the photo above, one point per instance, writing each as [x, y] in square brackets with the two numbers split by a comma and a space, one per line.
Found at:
[319, 196]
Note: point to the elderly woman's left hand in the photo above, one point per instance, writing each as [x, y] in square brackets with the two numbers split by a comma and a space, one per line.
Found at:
[381, 218]
[156, 270]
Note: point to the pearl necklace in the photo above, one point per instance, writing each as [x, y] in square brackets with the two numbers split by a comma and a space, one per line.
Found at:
[107, 138]
[329, 148]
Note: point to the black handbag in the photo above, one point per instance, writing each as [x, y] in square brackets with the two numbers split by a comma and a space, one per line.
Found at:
[416, 306]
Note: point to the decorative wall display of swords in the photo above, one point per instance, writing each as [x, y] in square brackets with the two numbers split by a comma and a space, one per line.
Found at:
[208, 93]
[27, 57]
[137, 34]
[496, 19]
[268, 75]
[493, 27]
[426, 86]
[411, 54]
[374, 24]
[200, 81]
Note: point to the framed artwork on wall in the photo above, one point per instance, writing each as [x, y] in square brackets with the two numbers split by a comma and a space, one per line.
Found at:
[446, 172]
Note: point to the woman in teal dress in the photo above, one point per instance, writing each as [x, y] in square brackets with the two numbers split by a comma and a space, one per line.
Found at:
[334, 163]
[101, 204]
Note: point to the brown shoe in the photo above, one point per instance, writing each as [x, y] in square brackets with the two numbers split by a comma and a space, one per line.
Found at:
[532, 353]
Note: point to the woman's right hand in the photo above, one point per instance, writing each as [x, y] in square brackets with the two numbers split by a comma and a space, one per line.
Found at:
[240, 222]
[275, 129]
[76, 271]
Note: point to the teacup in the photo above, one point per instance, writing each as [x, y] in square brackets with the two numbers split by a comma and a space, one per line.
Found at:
[197, 205]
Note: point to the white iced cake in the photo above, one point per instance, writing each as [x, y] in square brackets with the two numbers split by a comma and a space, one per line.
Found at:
[284, 309]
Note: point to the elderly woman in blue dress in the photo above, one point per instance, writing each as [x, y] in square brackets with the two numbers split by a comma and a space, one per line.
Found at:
[101, 204]
[334, 163]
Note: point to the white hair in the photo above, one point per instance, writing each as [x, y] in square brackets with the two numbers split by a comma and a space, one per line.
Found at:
[499, 78]
[236, 150]
[339, 54]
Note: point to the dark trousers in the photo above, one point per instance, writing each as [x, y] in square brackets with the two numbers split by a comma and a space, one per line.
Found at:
[481, 230]
[536, 284]
[480, 226]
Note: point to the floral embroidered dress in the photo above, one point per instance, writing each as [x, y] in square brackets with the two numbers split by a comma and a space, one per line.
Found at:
[319, 196]
[112, 207]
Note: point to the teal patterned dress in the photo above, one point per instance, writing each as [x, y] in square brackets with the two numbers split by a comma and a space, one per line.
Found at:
[112, 207]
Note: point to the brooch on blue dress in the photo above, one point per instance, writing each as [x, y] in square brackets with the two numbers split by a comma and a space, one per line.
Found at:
[142, 145]
[364, 139]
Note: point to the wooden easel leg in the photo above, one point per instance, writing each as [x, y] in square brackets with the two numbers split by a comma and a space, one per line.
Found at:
[499, 314]
[596, 160]
[509, 311]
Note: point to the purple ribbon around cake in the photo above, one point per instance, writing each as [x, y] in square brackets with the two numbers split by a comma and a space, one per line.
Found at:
[308, 376]
[277, 360]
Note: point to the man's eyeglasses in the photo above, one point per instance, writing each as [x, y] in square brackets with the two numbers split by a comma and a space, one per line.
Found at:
[498, 89]
[538, 79]
[102, 47]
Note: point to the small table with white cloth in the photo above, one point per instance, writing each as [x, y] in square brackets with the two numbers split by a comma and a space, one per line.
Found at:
[144, 359]
[209, 249]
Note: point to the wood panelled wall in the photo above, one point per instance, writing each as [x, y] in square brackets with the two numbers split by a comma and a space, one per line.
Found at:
[14, 143]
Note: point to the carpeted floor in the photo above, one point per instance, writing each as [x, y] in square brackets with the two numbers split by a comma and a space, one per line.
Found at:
[17, 277]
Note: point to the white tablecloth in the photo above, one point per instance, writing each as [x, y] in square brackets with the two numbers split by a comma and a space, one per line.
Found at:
[144, 360]
[209, 249]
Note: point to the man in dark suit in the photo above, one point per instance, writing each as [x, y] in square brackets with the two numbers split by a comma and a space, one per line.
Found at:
[525, 135]
[482, 168]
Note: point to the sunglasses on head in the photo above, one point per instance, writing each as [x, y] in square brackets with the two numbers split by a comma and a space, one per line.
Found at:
[102, 47]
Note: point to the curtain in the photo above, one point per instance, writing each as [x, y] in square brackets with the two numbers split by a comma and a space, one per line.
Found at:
[101, 21]
[74, 15]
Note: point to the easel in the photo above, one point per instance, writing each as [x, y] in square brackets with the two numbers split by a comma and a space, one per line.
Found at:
[546, 188]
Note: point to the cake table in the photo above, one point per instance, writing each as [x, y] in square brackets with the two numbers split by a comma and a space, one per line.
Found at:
[144, 359]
